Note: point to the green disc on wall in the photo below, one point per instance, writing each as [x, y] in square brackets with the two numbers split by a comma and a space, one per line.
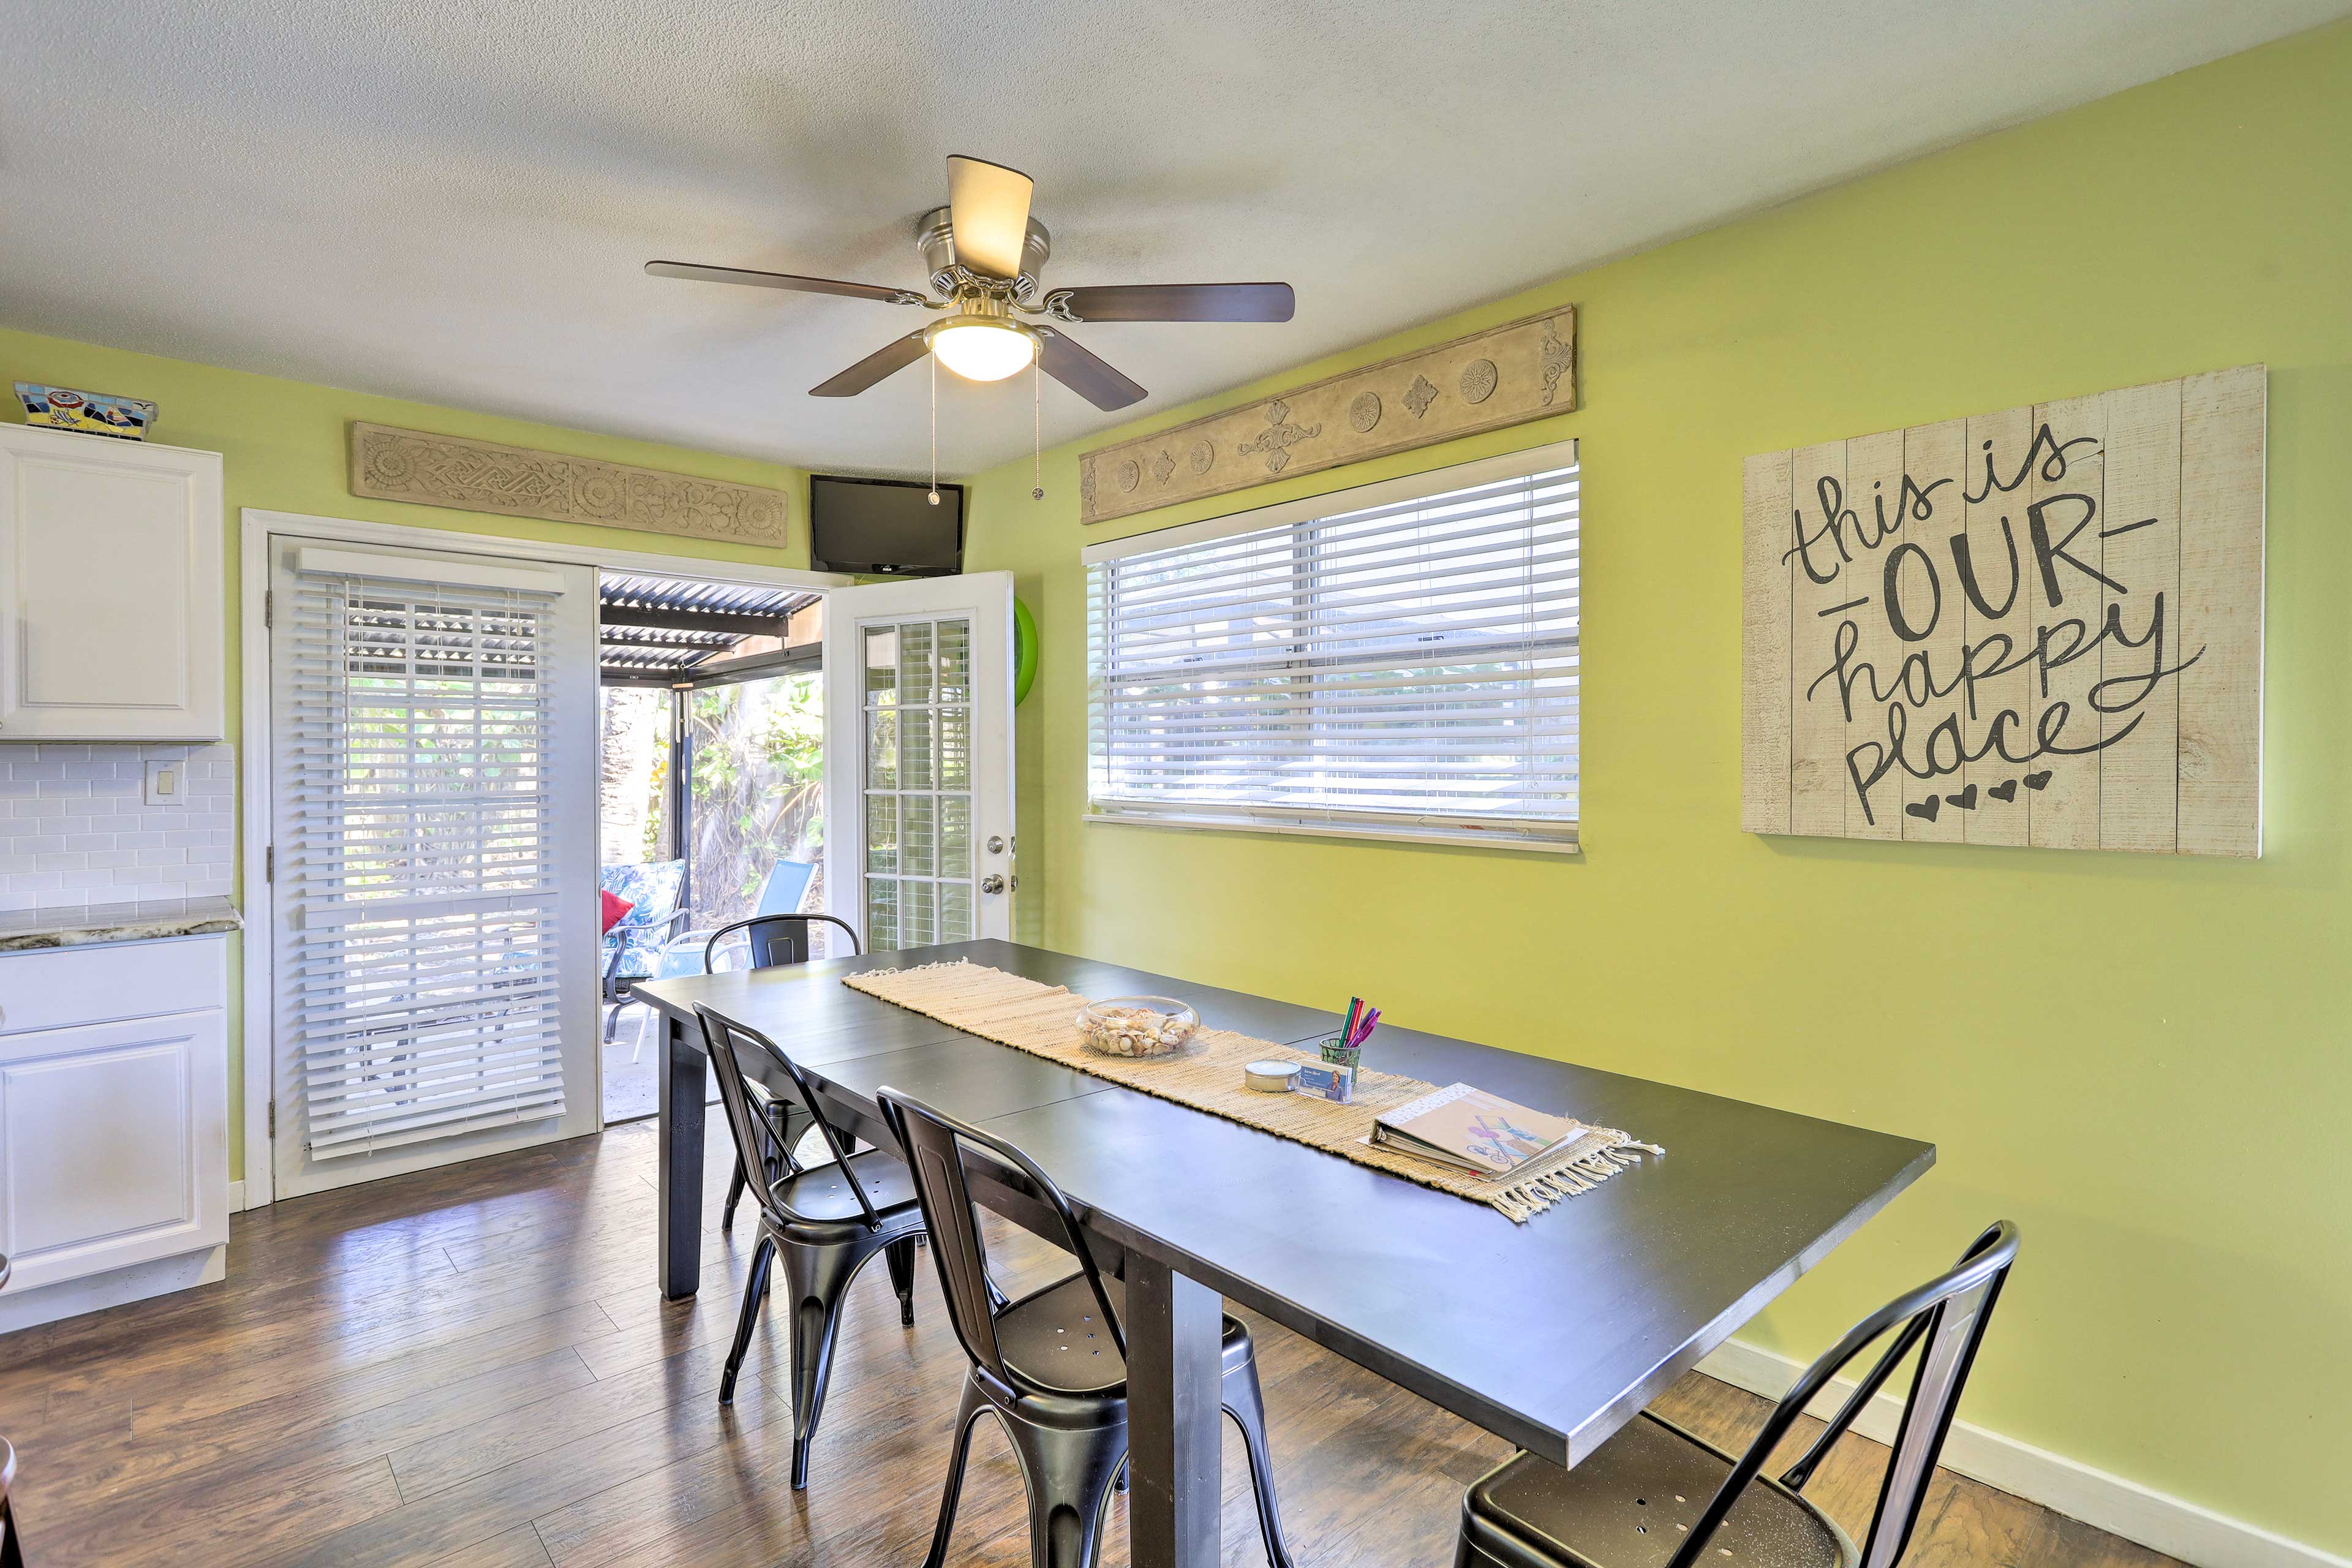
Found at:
[1024, 652]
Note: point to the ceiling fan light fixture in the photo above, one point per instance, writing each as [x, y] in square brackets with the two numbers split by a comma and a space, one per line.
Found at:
[982, 348]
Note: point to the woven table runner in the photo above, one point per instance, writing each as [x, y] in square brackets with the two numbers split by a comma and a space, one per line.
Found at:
[1042, 1019]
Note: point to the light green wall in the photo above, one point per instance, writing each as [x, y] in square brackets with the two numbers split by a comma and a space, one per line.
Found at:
[285, 448]
[2144, 1061]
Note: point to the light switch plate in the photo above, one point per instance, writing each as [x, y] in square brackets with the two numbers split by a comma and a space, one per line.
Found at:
[167, 781]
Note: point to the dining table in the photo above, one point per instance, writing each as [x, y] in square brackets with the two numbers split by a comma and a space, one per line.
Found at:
[1551, 1333]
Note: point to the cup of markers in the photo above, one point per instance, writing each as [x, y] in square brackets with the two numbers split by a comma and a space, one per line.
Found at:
[1334, 1077]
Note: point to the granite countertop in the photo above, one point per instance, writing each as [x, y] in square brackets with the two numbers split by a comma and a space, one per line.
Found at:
[81, 925]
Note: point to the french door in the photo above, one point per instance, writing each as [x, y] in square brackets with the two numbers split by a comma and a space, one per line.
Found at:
[433, 775]
[918, 759]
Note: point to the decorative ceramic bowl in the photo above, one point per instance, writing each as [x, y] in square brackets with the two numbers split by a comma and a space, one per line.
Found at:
[1137, 1025]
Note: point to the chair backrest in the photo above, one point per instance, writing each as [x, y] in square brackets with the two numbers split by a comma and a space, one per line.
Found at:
[652, 887]
[1946, 1319]
[722, 1037]
[773, 940]
[9, 1551]
[786, 886]
[934, 1145]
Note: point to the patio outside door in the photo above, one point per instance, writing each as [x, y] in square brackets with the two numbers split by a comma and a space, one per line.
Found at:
[433, 775]
[919, 759]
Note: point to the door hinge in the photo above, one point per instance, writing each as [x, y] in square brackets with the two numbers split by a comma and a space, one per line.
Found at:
[273, 1119]
[269, 607]
[269, 863]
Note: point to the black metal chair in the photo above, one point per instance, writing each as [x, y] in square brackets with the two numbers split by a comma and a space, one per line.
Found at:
[827, 1220]
[1052, 1366]
[1654, 1496]
[773, 939]
[11, 1550]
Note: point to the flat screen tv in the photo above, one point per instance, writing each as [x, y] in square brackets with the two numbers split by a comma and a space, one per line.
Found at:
[884, 527]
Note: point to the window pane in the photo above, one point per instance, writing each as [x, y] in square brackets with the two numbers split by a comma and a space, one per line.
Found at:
[881, 664]
[955, 835]
[915, 748]
[915, 925]
[881, 914]
[918, 841]
[915, 662]
[955, 747]
[955, 661]
[955, 911]
[882, 748]
[882, 833]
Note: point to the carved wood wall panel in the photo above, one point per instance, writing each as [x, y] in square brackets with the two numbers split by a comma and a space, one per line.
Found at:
[390, 464]
[1505, 376]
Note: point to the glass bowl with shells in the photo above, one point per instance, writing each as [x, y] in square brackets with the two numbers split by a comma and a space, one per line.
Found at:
[1137, 1027]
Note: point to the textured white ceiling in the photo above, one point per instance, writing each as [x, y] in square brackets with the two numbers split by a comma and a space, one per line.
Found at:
[451, 199]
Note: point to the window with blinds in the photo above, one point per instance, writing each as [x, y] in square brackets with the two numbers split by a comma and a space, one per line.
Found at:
[416, 842]
[1398, 660]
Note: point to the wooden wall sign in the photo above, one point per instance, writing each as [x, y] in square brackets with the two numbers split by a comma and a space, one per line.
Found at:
[389, 464]
[2042, 626]
[1507, 374]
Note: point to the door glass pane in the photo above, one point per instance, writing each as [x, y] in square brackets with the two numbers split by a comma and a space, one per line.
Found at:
[881, 664]
[916, 837]
[915, 770]
[955, 661]
[955, 835]
[881, 833]
[915, 663]
[955, 747]
[917, 782]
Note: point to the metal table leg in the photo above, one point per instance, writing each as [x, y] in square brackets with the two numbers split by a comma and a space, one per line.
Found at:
[1175, 1329]
[679, 1237]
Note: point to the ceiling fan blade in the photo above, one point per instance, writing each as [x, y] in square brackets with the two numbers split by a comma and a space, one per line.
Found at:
[1176, 302]
[890, 360]
[699, 274]
[988, 206]
[1083, 374]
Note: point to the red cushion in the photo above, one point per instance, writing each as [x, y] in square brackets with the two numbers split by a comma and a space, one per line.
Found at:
[616, 908]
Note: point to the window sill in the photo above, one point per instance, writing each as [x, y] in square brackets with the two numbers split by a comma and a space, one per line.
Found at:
[1369, 832]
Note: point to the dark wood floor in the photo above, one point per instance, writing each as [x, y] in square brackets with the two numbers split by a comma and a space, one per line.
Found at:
[471, 1366]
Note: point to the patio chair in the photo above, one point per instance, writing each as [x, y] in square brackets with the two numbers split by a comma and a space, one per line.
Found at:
[633, 947]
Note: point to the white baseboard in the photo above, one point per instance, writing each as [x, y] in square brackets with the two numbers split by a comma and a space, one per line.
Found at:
[236, 1197]
[2172, 1525]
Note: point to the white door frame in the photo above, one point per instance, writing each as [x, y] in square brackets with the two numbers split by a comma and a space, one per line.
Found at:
[259, 1185]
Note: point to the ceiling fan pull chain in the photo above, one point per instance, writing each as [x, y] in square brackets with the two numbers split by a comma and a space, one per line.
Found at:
[935, 430]
[1036, 430]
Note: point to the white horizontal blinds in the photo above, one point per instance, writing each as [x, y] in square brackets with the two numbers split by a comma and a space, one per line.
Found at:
[417, 842]
[1406, 669]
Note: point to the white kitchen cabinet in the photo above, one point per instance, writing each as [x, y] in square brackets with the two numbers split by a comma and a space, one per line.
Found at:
[113, 1124]
[111, 593]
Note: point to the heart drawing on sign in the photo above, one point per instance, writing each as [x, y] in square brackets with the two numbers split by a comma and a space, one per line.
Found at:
[1926, 810]
[2038, 780]
[2005, 790]
[1966, 800]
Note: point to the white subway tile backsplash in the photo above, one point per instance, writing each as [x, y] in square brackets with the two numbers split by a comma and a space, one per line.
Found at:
[75, 827]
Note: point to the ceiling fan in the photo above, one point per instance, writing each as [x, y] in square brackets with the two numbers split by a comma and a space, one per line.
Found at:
[984, 252]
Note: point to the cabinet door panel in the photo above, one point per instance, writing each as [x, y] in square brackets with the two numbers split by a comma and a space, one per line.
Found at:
[114, 1144]
[114, 598]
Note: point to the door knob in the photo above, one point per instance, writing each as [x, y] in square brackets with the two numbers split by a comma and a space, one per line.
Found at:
[996, 844]
[991, 883]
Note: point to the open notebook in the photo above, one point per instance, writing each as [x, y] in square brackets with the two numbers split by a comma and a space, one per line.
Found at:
[1473, 1131]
